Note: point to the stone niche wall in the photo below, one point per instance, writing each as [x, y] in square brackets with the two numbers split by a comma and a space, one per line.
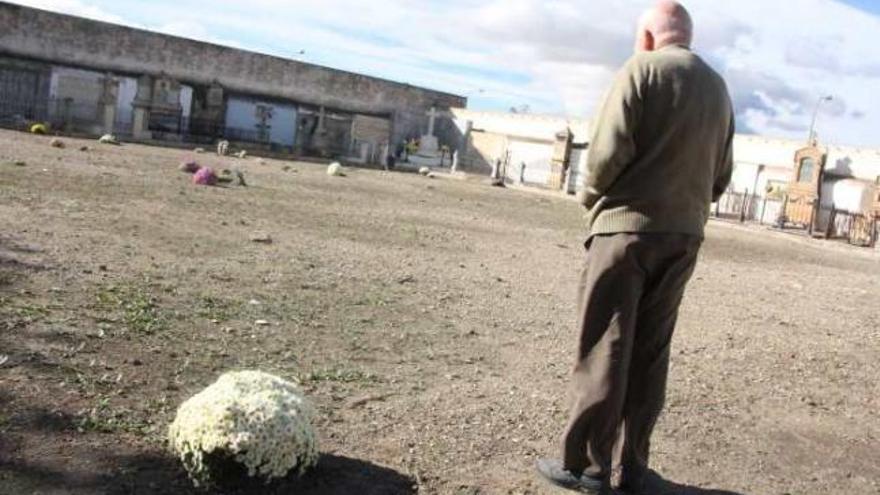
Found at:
[332, 140]
[337, 137]
[372, 130]
[57, 38]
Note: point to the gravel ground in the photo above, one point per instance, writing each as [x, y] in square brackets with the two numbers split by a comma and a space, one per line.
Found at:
[430, 320]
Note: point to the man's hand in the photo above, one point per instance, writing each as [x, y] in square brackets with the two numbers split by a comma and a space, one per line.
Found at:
[587, 198]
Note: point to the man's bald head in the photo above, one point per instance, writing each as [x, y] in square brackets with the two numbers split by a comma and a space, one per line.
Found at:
[667, 23]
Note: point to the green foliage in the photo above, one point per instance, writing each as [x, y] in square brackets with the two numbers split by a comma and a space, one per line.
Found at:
[25, 312]
[339, 375]
[102, 418]
[30, 312]
[215, 308]
[140, 310]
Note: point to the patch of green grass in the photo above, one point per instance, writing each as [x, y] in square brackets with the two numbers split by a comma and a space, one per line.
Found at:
[30, 311]
[374, 300]
[27, 312]
[140, 310]
[339, 375]
[410, 232]
[105, 419]
[6, 278]
[215, 308]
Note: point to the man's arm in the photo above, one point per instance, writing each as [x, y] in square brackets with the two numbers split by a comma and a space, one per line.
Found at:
[725, 168]
[613, 146]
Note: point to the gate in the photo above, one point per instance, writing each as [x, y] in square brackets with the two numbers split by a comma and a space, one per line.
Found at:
[18, 97]
[801, 211]
[805, 189]
[863, 231]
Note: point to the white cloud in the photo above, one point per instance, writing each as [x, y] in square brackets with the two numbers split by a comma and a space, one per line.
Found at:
[554, 55]
[74, 7]
[195, 30]
[791, 56]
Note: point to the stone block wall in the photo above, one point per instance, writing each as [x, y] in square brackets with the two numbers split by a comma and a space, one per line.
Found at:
[38, 35]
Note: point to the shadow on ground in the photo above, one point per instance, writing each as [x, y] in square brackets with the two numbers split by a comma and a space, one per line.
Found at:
[334, 475]
[11, 266]
[657, 485]
[160, 475]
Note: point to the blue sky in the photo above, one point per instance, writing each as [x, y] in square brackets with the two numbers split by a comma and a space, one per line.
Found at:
[555, 56]
[866, 5]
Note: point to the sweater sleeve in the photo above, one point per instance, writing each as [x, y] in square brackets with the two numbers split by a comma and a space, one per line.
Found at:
[613, 146]
[725, 168]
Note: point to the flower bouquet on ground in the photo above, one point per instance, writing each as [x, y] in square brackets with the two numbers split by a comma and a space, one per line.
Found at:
[247, 426]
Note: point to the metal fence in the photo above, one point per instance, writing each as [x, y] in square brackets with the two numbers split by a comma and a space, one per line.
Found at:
[746, 207]
[203, 131]
[64, 115]
[67, 115]
[19, 113]
[855, 228]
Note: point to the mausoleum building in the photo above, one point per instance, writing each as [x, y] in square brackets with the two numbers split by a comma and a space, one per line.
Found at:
[85, 76]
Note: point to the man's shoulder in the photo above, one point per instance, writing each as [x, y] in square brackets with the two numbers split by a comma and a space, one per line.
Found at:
[672, 60]
[667, 57]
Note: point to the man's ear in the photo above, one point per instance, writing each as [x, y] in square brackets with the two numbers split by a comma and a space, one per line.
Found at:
[644, 41]
[649, 41]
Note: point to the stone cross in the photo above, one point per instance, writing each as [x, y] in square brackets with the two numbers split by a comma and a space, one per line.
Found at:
[432, 117]
[264, 116]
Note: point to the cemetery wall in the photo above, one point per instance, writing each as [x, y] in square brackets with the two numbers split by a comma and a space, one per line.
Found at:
[38, 35]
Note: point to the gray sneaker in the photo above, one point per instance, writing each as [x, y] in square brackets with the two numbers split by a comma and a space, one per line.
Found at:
[554, 472]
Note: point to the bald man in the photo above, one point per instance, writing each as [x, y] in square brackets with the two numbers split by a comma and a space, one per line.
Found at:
[659, 156]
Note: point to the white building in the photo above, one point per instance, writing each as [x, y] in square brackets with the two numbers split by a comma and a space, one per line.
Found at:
[524, 144]
[763, 167]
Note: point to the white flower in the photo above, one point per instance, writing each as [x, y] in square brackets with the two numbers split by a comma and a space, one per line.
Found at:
[260, 420]
[335, 169]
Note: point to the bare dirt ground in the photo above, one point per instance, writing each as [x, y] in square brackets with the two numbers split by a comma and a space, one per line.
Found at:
[431, 321]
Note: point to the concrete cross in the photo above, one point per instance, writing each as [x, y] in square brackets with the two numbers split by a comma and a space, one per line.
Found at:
[432, 116]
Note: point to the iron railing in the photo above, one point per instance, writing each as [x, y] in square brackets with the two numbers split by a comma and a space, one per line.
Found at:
[201, 131]
[64, 115]
[67, 115]
[746, 207]
[856, 228]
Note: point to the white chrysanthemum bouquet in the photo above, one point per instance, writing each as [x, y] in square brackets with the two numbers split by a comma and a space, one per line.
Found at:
[254, 421]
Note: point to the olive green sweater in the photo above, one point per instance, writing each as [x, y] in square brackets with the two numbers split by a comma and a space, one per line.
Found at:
[661, 150]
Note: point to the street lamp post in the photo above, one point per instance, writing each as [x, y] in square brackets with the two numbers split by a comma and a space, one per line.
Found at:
[819, 103]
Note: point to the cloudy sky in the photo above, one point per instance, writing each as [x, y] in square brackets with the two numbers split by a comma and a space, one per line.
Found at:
[555, 56]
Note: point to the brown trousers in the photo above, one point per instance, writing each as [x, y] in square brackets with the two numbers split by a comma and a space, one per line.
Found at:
[630, 292]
